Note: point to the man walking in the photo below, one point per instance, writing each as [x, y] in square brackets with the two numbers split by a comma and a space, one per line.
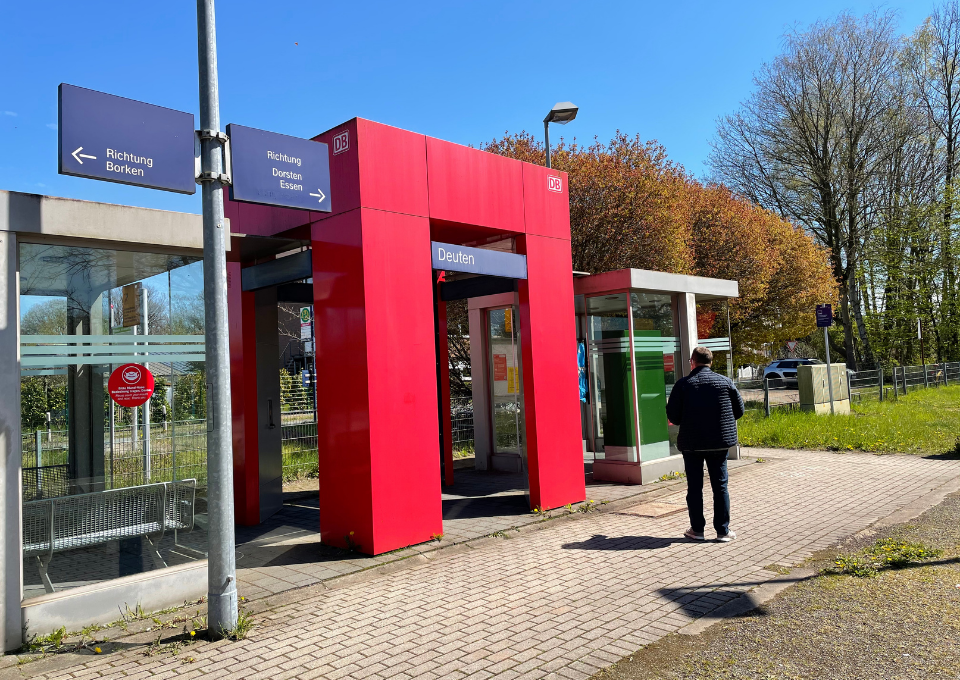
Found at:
[706, 406]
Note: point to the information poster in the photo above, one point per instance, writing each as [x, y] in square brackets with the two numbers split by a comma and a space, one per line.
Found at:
[499, 366]
[513, 386]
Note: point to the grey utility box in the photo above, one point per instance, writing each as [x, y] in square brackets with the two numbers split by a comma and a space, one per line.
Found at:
[815, 392]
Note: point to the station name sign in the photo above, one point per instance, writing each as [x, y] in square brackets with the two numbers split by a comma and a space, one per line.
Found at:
[102, 136]
[280, 170]
[478, 261]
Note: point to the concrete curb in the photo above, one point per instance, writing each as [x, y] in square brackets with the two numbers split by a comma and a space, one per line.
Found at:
[748, 601]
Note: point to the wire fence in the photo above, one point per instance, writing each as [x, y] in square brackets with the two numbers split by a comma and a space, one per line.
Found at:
[136, 454]
[461, 416]
[884, 384]
[878, 384]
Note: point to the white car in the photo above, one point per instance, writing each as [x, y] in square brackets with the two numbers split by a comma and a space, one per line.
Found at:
[784, 371]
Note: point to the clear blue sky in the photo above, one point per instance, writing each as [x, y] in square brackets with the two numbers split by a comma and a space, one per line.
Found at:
[462, 71]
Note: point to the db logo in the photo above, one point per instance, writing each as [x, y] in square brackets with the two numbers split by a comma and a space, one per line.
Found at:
[554, 184]
[341, 142]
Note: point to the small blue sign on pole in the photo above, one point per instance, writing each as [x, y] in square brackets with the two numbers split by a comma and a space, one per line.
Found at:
[102, 136]
[281, 170]
[824, 316]
[456, 258]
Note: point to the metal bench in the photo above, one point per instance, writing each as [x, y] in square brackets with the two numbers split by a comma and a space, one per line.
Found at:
[55, 525]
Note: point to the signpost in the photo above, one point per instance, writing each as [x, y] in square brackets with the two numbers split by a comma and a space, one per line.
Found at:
[111, 138]
[824, 321]
[102, 136]
[791, 347]
[280, 170]
[456, 258]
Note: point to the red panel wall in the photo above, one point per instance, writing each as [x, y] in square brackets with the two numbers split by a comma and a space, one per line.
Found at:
[393, 168]
[377, 412]
[344, 171]
[243, 399]
[343, 415]
[474, 187]
[546, 211]
[401, 373]
[549, 345]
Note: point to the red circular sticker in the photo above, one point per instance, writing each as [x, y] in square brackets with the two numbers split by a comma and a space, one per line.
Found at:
[131, 385]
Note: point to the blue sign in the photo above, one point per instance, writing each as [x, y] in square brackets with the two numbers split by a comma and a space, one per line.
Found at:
[824, 316]
[455, 258]
[106, 137]
[276, 169]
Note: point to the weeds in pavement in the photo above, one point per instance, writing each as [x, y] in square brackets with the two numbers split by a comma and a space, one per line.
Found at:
[244, 624]
[887, 553]
[672, 475]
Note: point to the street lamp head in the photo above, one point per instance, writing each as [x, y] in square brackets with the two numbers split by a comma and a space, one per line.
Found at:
[561, 113]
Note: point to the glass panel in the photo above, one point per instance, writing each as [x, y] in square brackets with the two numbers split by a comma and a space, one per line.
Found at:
[611, 383]
[110, 491]
[508, 426]
[712, 333]
[656, 347]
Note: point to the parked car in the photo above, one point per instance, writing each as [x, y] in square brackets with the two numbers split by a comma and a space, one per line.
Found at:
[784, 371]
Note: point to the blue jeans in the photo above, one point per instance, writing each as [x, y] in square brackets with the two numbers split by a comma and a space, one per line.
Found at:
[717, 468]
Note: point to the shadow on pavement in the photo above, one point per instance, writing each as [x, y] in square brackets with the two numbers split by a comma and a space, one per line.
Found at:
[601, 542]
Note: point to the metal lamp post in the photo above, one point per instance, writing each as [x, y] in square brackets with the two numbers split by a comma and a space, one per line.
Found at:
[561, 114]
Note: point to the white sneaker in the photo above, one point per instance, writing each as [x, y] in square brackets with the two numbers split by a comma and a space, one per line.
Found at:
[729, 537]
[693, 535]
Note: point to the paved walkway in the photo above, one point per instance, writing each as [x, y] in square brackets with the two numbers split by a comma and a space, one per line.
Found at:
[558, 603]
[285, 552]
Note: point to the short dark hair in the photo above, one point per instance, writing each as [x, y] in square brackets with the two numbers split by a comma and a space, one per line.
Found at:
[702, 356]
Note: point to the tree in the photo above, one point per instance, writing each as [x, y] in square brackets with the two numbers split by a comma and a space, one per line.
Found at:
[631, 207]
[815, 137]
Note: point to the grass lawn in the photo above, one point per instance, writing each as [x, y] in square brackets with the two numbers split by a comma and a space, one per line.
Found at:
[922, 422]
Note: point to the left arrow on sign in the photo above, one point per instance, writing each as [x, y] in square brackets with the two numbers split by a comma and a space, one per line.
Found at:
[76, 154]
[320, 195]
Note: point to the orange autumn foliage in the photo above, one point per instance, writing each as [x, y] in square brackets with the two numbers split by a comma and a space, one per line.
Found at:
[630, 206]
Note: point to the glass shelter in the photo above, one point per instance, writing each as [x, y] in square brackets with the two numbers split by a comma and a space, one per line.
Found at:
[635, 331]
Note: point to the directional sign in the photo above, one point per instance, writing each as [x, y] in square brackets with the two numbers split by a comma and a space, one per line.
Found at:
[824, 316]
[478, 261]
[276, 169]
[106, 137]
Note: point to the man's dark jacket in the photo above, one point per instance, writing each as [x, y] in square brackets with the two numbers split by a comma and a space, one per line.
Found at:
[706, 406]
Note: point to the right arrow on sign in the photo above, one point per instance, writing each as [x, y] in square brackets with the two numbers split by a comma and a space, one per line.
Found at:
[321, 195]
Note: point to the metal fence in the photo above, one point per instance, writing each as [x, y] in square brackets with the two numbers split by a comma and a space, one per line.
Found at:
[133, 457]
[879, 384]
[886, 384]
[461, 417]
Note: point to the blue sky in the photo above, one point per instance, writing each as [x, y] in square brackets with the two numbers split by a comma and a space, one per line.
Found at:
[460, 71]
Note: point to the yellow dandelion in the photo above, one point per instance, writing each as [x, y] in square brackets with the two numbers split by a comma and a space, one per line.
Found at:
[193, 633]
[98, 650]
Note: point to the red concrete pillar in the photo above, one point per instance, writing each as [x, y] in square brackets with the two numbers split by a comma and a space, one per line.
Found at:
[243, 395]
[377, 424]
[548, 342]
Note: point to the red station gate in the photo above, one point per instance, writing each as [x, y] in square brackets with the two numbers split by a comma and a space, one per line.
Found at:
[394, 191]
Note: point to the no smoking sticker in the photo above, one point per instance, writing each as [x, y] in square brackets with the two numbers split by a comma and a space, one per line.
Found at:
[131, 385]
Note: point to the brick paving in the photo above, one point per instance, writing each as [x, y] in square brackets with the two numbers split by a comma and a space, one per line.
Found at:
[285, 552]
[558, 603]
